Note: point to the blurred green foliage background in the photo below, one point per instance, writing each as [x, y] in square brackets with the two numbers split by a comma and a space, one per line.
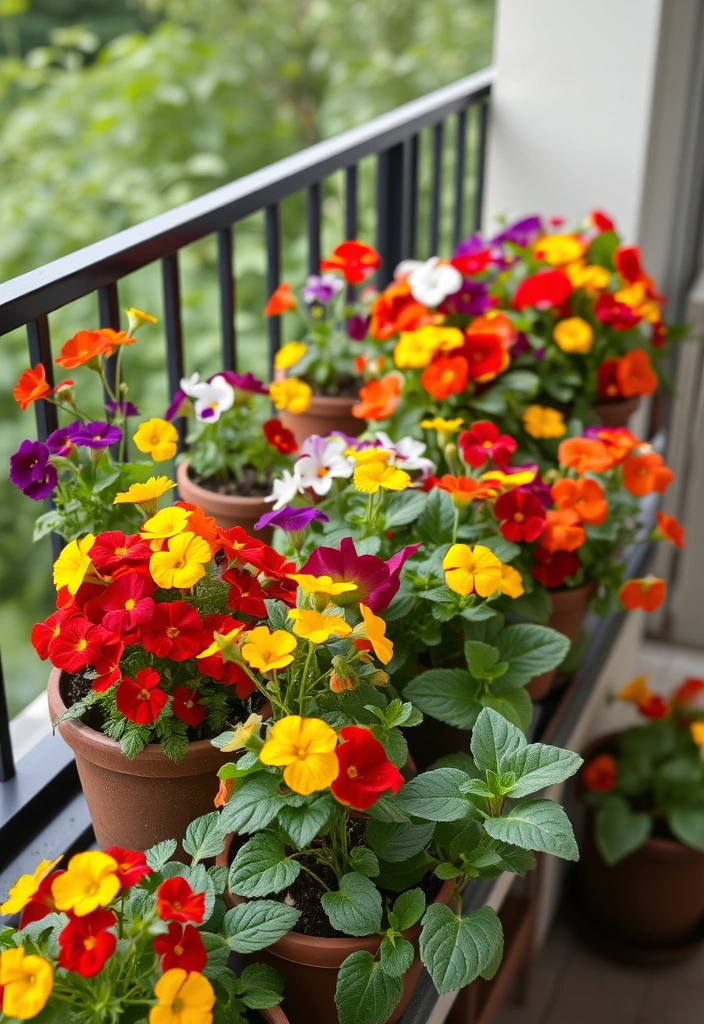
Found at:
[112, 112]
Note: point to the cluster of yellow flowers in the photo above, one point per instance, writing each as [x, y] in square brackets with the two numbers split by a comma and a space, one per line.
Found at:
[478, 571]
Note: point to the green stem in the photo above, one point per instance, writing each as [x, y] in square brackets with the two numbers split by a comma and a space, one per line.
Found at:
[304, 676]
[455, 525]
[316, 877]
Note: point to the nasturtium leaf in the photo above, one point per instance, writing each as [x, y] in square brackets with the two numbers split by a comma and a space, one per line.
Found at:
[457, 950]
[355, 909]
[365, 993]
[536, 825]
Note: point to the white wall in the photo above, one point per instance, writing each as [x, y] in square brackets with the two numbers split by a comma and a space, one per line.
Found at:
[571, 108]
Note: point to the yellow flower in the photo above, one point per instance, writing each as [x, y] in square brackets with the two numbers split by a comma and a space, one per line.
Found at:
[318, 628]
[636, 297]
[441, 426]
[184, 998]
[25, 982]
[135, 319]
[415, 349]
[373, 629]
[470, 570]
[574, 335]
[242, 733]
[89, 882]
[366, 455]
[590, 276]
[636, 692]
[25, 887]
[71, 566]
[511, 581]
[223, 643]
[374, 475]
[557, 250]
[321, 584]
[289, 355]
[306, 746]
[183, 564]
[697, 731]
[291, 394]
[167, 523]
[266, 650]
[157, 438]
[499, 480]
[145, 495]
[541, 421]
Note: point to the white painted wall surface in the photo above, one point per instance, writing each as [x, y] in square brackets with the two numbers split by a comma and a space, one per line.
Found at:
[571, 109]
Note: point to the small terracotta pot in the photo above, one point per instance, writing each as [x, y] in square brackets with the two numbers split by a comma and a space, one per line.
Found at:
[324, 416]
[618, 413]
[274, 1016]
[137, 803]
[652, 899]
[227, 510]
[569, 610]
[310, 964]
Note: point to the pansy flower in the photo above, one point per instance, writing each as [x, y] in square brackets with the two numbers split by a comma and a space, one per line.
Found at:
[141, 699]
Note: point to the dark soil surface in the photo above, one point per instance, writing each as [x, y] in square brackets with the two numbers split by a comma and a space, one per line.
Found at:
[249, 488]
[346, 386]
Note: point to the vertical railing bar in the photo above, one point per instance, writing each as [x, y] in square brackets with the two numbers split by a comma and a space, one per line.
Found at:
[406, 200]
[171, 289]
[109, 315]
[413, 198]
[483, 114]
[389, 208]
[273, 272]
[226, 285]
[351, 202]
[313, 213]
[435, 188]
[7, 761]
[460, 165]
[39, 342]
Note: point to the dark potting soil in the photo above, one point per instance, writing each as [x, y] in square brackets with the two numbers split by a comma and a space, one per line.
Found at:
[250, 487]
[346, 386]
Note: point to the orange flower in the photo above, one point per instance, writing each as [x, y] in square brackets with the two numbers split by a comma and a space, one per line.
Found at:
[202, 525]
[619, 441]
[563, 531]
[669, 529]
[446, 375]
[634, 374]
[281, 301]
[601, 773]
[647, 593]
[396, 310]
[379, 398]
[496, 324]
[585, 455]
[486, 357]
[82, 348]
[355, 260]
[462, 489]
[585, 496]
[31, 386]
[116, 338]
[645, 473]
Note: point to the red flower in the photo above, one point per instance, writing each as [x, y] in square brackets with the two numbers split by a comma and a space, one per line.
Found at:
[225, 672]
[132, 865]
[176, 901]
[543, 290]
[627, 261]
[41, 903]
[280, 437]
[554, 567]
[601, 220]
[175, 631]
[127, 602]
[365, 772]
[114, 549]
[44, 632]
[280, 301]
[482, 442]
[186, 706]
[107, 664]
[688, 691]
[246, 594]
[646, 594]
[181, 947]
[614, 313]
[659, 334]
[396, 310]
[355, 260]
[446, 375]
[31, 386]
[239, 546]
[523, 515]
[485, 355]
[606, 379]
[77, 644]
[600, 773]
[86, 943]
[141, 700]
[654, 707]
[472, 263]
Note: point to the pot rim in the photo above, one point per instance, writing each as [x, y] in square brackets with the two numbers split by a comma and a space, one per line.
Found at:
[618, 403]
[183, 476]
[328, 405]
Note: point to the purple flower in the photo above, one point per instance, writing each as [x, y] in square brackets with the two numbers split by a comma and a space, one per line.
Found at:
[522, 232]
[321, 288]
[62, 441]
[357, 327]
[291, 519]
[31, 471]
[242, 382]
[376, 581]
[472, 246]
[125, 408]
[97, 435]
[471, 300]
[180, 405]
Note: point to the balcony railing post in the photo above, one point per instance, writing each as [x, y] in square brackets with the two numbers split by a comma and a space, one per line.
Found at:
[7, 762]
[389, 211]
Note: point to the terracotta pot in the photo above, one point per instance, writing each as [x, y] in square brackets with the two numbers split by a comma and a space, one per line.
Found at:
[310, 964]
[138, 803]
[616, 414]
[324, 416]
[227, 510]
[569, 610]
[651, 900]
[274, 1016]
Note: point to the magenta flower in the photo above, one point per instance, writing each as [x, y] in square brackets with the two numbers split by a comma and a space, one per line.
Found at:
[357, 327]
[97, 435]
[181, 405]
[125, 408]
[522, 232]
[377, 581]
[62, 441]
[291, 519]
[31, 471]
[321, 288]
[472, 299]
[242, 382]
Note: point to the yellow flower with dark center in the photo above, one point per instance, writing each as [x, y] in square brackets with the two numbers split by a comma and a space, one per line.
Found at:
[267, 651]
[184, 998]
[182, 564]
[472, 570]
[290, 354]
[25, 887]
[573, 334]
[511, 581]
[291, 394]
[26, 983]
[376, 475]
[169, 522]
[145, 495]
[90, 881]
[542, 422]
[73, 563]
[157, 438]
[306, 749]
[558, 250]
[318, 628]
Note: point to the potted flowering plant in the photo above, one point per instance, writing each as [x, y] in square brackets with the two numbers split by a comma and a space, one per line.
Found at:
[643, 869]
[120, 935]
[328, 357]
[83, 464]
[233, 446]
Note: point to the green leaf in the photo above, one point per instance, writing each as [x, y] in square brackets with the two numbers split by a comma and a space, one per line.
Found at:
[481, 658]
[687, 825]
[434, 525]
[364, 860]
[445, 871]
[365, 993]
[505, 550]
[448, 694]
[535, 606]
[397, 841]
[619, 831]
[404, 509]
[401, 876]
[205, 837]
[397, 956]
[495, 741]
[530, 650]
[603, 248]
[254, 804]
[258, 924]
[536, 825]
[263, 987]
[456, 950]
[514, 705]
[157, 856]
[409, 908]
[356, 908]
[262, 867]
[435, 795]
[302, 824]
[539, 765]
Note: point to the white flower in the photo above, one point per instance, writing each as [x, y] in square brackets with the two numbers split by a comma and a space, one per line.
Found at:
[285, 489]
[407, 454]
[190, 384]
[430, 282]
[211, 399]
[322, 460]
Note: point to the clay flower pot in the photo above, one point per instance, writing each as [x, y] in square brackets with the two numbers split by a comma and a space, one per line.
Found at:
[324, 416]
[274, 1016]
[310, 964]
[135, 804]
[227, 510]
[616, 414]
[569, 610]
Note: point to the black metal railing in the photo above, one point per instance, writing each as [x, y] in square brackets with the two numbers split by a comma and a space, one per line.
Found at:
[41, 794]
